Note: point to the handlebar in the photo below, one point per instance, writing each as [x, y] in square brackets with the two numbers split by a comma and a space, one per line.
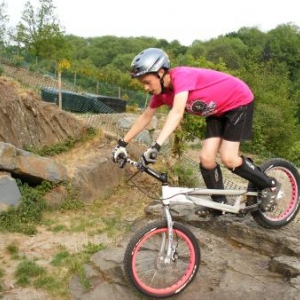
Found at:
[162, 177]
[126, 160]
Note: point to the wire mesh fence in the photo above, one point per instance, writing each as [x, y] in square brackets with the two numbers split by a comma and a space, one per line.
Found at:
[95, 109]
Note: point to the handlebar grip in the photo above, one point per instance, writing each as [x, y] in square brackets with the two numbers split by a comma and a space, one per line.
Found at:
[123, 160]
[153, 155]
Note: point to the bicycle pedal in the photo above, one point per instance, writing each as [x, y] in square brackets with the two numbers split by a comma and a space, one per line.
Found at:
[205, 212]
[202, 211]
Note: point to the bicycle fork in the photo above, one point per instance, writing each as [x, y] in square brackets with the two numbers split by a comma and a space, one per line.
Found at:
[167, 249]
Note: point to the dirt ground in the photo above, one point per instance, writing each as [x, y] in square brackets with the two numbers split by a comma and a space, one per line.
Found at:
[103, 221]
[68, 231]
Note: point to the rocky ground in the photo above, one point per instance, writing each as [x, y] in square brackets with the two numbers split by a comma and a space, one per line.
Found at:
[239, 259]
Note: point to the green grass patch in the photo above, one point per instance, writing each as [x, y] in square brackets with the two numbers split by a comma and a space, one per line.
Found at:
[13, 251]
[2, 273]
[26, 271]
[25, 217]
[74, 263]
[64, 146]
[28, 213]
[58, 228]
[60, 258]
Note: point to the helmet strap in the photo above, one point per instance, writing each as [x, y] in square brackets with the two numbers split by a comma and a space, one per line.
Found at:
[161, 79]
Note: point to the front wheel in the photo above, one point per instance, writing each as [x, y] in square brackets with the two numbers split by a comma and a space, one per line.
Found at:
[287, 203]
[147, 267]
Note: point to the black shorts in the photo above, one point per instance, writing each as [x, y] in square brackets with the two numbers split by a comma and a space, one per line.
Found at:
[234, 125]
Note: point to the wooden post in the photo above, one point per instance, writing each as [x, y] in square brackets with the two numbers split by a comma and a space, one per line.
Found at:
[59, 90]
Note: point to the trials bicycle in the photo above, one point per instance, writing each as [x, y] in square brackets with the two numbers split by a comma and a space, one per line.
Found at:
[162, 258]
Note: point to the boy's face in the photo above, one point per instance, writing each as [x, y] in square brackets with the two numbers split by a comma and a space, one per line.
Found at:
[151, 83]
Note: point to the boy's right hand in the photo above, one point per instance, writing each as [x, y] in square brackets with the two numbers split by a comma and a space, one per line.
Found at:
[119, 151]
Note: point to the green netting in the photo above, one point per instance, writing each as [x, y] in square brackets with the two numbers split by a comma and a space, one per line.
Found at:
[84, 103]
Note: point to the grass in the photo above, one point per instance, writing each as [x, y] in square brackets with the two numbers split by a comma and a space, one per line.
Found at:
[64, 146]
[13, 251]
[109, 218]
[2, 273]
[26, 271]
[97, 225]
[28, 213]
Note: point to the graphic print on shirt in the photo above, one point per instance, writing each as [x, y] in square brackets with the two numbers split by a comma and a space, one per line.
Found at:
[200, 107]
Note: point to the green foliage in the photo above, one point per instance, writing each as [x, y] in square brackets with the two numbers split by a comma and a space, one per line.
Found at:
[72, 202]
[293, 153]
[26, 271]
[276, 129]
[184, 174]
[53, 149]
[75, 262]
[62, 147]
[3, 23]
[1, 286]
[190, 128]
[28, 213]
[1, 275]
[60, 257]
[229, 50]
[25, 217]
[40, 33]
[29, 273]
[12, 249]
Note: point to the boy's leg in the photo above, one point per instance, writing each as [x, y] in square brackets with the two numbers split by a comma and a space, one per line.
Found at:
[245, 168]
[269, 187]
[211, 172]
[213, 179]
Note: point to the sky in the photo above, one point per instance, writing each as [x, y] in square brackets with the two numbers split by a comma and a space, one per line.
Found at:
[185, 21]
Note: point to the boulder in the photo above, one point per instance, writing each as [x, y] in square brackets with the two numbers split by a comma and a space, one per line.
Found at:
[9, 191]
[25, 120]
[30, 167]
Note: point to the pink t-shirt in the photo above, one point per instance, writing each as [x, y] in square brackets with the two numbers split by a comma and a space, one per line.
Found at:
[210, 92]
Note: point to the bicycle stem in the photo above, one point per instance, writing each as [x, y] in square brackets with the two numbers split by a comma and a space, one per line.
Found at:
[160, 176]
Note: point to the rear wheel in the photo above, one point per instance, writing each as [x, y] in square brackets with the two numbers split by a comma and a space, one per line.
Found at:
[287, 203]
[146, 265]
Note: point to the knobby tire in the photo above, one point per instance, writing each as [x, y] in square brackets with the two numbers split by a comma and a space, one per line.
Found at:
[287, 205]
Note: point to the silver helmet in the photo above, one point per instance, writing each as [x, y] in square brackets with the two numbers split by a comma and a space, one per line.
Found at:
[150, 60]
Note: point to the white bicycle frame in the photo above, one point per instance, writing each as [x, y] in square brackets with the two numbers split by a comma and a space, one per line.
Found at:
[188, 195]
[193, 195]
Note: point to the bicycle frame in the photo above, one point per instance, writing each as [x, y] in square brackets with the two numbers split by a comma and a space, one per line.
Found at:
[190, 195]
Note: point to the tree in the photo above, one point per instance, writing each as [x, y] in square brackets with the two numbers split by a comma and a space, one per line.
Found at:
[254, 39]
[283, 47]
[231, 50]
[39, 32]
[3, 22]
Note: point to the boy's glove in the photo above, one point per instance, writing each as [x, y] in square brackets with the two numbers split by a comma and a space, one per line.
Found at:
[119, 151]
[150, 155]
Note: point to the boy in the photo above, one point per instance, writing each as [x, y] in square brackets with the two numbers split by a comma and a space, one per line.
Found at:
[225, 101]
